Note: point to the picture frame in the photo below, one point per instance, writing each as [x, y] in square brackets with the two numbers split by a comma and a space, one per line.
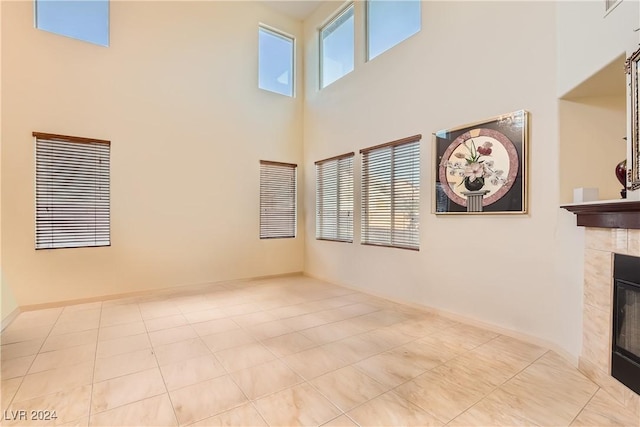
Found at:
[481, 167]
[633, 153]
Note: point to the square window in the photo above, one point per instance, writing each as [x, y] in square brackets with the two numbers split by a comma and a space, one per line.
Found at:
[275, 61]
[86, 20]
[337, 47]
[390, 22]
[72, 192]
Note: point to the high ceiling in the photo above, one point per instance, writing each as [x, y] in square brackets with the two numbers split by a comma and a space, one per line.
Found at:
[299, 9]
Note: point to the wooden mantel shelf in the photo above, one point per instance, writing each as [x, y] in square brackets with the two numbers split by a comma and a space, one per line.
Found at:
[607, 214]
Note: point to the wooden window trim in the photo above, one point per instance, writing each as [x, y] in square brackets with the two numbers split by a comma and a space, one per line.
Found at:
[269, 162]
[414, 138]
[339, 157]
[67, 138]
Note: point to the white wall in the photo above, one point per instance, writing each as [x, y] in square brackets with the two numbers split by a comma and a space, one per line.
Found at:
[7, 301]
[591, 144]
[588, 40]
[472, 60]
[590, 43]
[176, 94]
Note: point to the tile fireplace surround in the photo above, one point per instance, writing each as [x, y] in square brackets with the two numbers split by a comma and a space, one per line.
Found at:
[610, 227]
[595, 360]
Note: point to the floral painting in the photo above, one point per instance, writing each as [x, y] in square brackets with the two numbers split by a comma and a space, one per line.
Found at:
[480, 168]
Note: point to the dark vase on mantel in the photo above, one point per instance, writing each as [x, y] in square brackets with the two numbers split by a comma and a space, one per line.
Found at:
[621, 174]
[474, 185]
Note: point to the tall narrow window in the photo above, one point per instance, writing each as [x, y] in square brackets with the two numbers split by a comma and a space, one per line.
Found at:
[86, 20]
[72, 192]
[391, 194]
[277, 200]
[275, 61]
[390, 22]
[334, 198]
[337, 47]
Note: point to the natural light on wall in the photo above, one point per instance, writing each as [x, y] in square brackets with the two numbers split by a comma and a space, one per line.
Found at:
[86, 20]
[336, 47]
[275, 61]
[389, 23]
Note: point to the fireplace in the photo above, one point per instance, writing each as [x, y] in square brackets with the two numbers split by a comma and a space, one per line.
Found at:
[625, 358]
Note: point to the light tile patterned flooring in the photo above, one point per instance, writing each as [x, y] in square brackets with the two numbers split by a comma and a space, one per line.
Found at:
[286, 351]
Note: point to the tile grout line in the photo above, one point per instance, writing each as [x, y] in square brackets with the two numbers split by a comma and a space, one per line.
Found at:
[499, 387]
[484, 396]
[155, 357]
[261, 341]
[281, 359]
[309, 381]
[228, 374]
[124, 375]
[585, 405]
[93, 375]
[251, 402]
[11, 401]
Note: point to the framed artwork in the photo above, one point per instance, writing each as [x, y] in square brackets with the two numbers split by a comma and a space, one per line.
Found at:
[480, 168]
[633, 153]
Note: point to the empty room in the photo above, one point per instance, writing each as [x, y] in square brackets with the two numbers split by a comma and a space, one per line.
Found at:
[278, 213]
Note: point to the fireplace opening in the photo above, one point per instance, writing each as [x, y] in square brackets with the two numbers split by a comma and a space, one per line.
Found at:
[625, 358]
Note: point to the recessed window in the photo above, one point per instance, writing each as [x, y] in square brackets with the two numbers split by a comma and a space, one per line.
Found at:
[72, 192]
[389, 22]
[391, 194]
[277, 200]
[86, 20]
[275, 61]
[337, 47]
[334, 198]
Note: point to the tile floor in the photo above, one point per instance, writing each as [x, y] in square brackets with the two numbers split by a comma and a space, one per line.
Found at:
[287, 351]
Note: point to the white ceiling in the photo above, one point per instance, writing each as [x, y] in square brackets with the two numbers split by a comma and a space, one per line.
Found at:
[298, 9]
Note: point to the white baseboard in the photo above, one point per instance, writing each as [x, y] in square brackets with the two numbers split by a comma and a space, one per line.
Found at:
[10, 318]
[149, 292]
[531, 339]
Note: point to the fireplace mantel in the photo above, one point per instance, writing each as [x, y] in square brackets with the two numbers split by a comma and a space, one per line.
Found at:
[607, 213]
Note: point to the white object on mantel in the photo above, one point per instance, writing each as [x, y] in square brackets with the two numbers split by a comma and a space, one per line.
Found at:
[585, 194]
[633, 195]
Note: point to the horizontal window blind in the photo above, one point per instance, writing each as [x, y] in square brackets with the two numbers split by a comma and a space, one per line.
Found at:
[277, 200]
[391, 194]
[72, 192]
[334, 198]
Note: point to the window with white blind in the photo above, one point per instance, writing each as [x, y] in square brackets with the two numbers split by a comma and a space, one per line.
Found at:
[72, 192]
[334, 198]
[277, 200]
[391, 194]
